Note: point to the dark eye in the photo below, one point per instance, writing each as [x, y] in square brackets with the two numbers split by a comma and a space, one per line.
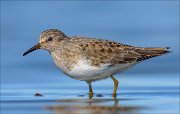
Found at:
[49, 39]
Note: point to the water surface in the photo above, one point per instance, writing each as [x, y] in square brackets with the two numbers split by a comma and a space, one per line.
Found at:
[74, 99]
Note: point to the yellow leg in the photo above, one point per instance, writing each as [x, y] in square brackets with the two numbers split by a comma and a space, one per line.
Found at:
[115, 86]
[90, 90]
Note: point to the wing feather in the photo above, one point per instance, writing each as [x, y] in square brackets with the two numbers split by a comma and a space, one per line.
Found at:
[106, 52]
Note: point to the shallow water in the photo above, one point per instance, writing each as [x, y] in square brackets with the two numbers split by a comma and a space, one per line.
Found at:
[74, 99]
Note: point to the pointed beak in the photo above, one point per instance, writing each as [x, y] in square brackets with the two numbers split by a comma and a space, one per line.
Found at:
[35, 47]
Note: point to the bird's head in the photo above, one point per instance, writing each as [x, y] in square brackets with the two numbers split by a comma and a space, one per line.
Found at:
[49, 40]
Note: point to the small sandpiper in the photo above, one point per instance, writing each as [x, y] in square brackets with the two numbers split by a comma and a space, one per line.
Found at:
[90, 59]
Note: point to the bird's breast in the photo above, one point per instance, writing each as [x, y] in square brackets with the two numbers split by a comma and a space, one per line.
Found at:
[64, 60]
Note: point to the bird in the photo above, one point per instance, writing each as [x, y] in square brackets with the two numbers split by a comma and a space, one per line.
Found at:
[92, 59]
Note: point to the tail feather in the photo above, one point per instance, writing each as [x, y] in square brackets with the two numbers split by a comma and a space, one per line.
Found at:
[147, 53]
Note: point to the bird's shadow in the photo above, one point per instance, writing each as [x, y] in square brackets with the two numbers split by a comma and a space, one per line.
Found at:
[93, 105]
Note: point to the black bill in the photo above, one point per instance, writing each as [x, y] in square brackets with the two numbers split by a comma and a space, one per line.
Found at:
[35, 47]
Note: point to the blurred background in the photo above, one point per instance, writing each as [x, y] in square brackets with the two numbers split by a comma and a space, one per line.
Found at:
[138, 23]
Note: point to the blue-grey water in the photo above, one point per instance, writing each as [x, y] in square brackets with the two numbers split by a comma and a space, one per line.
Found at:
[150, 87]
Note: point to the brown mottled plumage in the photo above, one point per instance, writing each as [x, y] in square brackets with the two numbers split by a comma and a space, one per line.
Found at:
[100, 51]
[91, 59]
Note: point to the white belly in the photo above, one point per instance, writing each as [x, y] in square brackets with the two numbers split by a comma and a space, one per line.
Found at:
[84, 71]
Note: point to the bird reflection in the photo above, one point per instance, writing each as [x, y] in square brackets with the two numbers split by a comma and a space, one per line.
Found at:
[92, 106]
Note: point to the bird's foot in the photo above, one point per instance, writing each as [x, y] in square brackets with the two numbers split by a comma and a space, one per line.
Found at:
[113, 94]
[90, 94]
